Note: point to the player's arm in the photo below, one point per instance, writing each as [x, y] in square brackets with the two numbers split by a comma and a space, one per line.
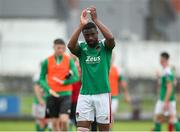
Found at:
[169, 86]
[109, 39]
[123, 84]
[43, 74]
[73, 42]
[169, 91]
[74, 74]
[38, 94]
[43, 81]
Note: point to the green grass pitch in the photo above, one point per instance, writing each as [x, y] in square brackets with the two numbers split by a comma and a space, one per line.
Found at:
[118, 126]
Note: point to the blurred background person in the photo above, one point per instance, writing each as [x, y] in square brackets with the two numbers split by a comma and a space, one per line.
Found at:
[39, 105]
[117, 80]
[166, 105]
[75, 93]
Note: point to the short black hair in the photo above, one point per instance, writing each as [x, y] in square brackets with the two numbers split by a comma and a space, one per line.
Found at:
[89, 25]
[59, 41]
[165, 55]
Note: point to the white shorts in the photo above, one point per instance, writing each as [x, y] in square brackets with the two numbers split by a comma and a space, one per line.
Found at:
[91, 106]
[115, 103]
[38, 111]
[159, 108]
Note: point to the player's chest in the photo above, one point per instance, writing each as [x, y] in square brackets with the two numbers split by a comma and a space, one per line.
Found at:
[163, 80]
[93, 57]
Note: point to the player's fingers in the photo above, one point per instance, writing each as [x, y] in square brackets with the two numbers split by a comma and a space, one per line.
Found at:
[93, 8]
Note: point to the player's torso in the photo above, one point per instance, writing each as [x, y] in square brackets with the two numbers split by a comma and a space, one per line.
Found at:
[95, 64]
[163, 88]
[59, 71]
[113, 80]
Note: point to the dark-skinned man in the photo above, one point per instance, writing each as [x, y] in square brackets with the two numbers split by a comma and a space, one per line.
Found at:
[94, 57]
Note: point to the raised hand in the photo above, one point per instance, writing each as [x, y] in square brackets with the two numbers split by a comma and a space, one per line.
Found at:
[83, 18]
[93, 13]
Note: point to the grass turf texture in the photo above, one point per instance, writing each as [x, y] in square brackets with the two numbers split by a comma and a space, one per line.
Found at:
[118, 126]
[147, 104]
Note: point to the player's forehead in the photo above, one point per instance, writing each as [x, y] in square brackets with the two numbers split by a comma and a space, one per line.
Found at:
[89, 31]
[163, 59]
[59, 46]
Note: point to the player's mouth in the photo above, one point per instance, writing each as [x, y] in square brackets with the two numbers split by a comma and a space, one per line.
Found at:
[91, 42]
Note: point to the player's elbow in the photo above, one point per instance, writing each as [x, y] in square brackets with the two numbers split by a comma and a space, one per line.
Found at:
[110, 42]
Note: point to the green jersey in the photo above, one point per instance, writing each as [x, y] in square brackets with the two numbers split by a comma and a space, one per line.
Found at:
[95, 65]
[167, 76]
[36, 99]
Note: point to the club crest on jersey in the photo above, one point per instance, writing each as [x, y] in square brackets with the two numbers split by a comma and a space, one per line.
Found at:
[93, 60]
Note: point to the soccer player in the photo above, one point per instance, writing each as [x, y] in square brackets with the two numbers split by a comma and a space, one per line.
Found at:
[39, 107]
[94, 56]
[116, 80]
[75, 92]
[166, 105]
[57, 73]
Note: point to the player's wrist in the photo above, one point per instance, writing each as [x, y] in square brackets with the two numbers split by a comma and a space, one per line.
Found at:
[95, 20]
[81, 25]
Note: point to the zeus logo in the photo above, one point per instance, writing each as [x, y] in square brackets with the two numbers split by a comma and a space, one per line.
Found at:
[92, 60]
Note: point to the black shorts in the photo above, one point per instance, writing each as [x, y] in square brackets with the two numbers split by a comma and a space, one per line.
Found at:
[56, 106]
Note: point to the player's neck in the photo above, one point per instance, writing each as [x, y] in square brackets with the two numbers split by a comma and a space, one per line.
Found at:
[166, 66]
[57, 55]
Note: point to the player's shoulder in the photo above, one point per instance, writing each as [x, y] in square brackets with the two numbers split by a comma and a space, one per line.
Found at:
[49, 57]
[68, 57]
[102, 42]
[82, 43]
[167, 71]
[45, 60]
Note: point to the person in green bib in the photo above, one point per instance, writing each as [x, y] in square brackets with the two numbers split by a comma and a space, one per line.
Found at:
[94, 57]
[166, 105]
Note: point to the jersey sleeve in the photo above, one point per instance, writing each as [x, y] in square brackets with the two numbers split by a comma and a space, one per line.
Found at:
[80, 44]
[103, 43]
[43, 73]
[169, 78]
